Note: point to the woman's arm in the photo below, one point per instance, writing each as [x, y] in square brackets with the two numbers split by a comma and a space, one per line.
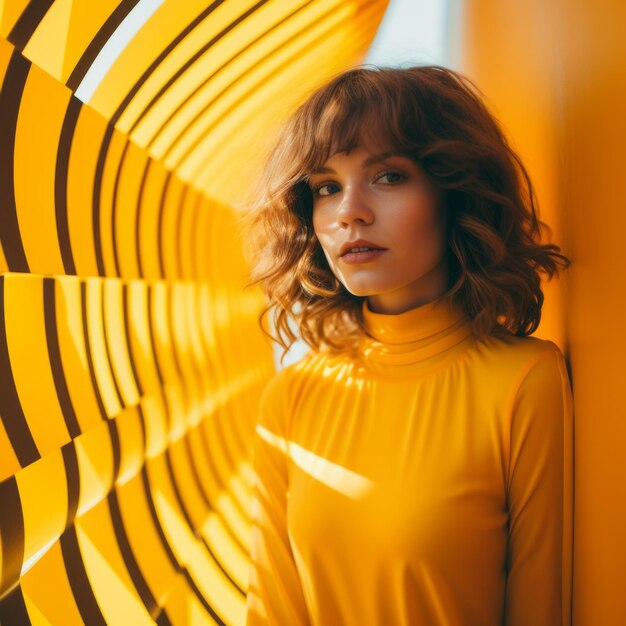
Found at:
[540, 497]
[275, 594]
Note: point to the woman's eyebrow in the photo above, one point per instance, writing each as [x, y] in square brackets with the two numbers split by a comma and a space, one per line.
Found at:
[377, 158]
[322, 169]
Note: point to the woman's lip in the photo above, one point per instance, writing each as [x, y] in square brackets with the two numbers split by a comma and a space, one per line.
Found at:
[354, 258]
[358, 243]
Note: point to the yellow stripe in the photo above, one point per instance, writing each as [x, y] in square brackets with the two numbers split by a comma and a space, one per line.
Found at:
[95, 466]
[106, 196]
[42, 110]
[43, 493]
[117, 341]
[8, 461]
[144, 540]
[46, 47]
[47, 591]
[10, 11]
[28, 352]
[73, 352]
[127, 201]
[106, 571]
[149, 221]
[90, 129]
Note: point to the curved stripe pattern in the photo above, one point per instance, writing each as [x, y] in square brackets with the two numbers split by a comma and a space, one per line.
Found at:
[131, 359]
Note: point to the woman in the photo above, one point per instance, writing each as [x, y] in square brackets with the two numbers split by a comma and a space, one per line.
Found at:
[416, 467]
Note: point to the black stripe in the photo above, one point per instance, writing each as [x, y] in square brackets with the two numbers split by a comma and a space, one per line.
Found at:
[12, 533]
[162, 619]
[60, 184]
[107, 350]
[191, 246]
[166, 185]
[174, 484]
[54, 354]
[226, 574]
[371, 4]
[142, 423]
[79, 581]
[179, 224]
[92, 371]
[166, 545]
[127, 331]
[182, 378]
[202, 136]
[10, 98]
[116, 186]
[180, 71]
[13, 610]
[115, 447]
[140, 201]
[200, 595]
[208, 455]
[97, 43]
[28, 21]
[196, 475]
[162, 56]
[172, 343]
[11, 410]
[275, 50]
[197, 374]
[222, 67]
[152, 324]
[195, 260]
[97, 189]
[130, 561]
[196, 478]
[183, 507]
[72, 479]
[153, 358]
[145, 480]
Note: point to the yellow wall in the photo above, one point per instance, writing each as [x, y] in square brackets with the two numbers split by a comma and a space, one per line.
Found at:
[555, 74]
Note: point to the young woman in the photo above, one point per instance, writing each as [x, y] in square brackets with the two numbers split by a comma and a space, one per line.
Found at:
[415, 469]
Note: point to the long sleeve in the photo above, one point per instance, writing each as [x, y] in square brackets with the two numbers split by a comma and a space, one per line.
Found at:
[275, 594]
[540, 496]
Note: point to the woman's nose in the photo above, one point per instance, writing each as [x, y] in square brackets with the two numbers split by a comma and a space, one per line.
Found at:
[354, 207]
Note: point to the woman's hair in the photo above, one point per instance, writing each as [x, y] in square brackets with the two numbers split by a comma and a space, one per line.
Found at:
[436, 117]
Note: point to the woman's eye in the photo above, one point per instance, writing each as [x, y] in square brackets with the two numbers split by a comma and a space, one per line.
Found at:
[390, 178]
[326, 189]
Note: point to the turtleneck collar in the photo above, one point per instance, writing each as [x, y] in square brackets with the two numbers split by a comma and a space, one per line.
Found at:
[414, 336]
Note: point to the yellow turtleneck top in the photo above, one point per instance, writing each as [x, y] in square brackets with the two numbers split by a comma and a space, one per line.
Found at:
[425, 480]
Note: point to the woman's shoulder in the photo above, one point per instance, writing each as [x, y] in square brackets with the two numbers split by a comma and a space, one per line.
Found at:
[508, 359]
[518, 367]
[285, 378]
[505, 347]
[294, 380]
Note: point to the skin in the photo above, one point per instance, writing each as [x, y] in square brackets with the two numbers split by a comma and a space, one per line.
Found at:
[385, 198]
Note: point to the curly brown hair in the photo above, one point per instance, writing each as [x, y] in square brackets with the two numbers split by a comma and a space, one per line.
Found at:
[436, 117]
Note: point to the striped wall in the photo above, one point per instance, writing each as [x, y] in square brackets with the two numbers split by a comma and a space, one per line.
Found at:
[130, 355]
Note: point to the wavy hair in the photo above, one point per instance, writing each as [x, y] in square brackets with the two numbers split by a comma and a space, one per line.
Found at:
[436, 117]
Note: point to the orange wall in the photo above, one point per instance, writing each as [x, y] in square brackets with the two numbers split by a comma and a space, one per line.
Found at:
[554, 73]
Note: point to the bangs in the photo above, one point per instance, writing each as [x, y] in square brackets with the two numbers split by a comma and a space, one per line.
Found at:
[358, 109]
[341, 128]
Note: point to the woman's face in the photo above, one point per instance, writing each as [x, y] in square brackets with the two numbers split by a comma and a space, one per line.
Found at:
[380, 222]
